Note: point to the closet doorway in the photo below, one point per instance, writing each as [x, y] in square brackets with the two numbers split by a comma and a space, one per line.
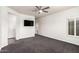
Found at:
[11, 28]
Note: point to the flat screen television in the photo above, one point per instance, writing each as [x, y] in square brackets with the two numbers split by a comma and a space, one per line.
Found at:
[28, 23]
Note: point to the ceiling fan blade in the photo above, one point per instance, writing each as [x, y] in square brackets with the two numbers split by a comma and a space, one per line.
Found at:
[37, 7]
[45, 8]
[45, 11]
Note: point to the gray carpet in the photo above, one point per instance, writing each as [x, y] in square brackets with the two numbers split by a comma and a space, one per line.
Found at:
[40, 44]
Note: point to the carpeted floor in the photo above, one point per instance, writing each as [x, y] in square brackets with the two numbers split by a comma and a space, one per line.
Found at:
[40, 44]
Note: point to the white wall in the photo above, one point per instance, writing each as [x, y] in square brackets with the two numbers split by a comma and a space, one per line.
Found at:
[25, 31]
[55, 25]
[3, 26]
[21, 31]
[0, 29]
[36, 26]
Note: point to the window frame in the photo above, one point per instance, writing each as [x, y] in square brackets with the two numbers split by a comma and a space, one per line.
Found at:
[75, 19]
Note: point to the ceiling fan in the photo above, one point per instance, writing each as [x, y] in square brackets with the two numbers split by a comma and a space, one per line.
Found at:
[41, 9]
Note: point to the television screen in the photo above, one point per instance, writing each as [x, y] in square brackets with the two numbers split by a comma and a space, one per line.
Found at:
[28, 23]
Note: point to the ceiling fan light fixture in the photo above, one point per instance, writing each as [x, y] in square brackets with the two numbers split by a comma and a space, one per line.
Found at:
[40, 11]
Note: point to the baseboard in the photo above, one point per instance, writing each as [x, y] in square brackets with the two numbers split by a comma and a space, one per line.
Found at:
[12, 38]
[25, 37]
[59, 39]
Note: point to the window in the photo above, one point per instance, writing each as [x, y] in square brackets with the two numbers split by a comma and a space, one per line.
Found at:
[73, 26]
[77, 26]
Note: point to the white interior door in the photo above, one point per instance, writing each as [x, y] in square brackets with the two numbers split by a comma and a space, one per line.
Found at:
[11, 26]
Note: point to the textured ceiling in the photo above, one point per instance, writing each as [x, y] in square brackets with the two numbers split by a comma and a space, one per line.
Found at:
[29, 10]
